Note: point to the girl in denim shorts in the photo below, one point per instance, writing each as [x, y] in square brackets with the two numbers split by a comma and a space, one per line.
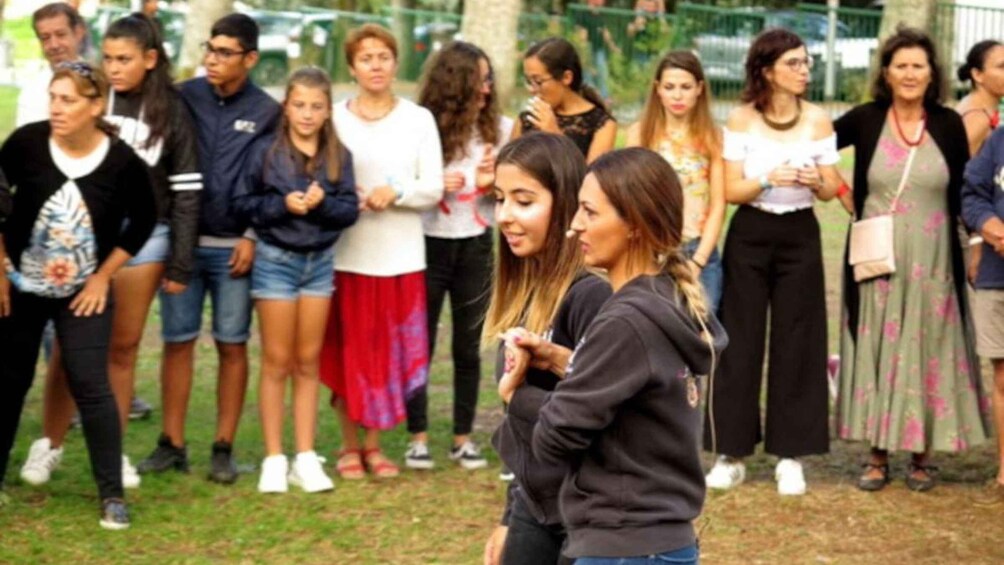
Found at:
[298, 194]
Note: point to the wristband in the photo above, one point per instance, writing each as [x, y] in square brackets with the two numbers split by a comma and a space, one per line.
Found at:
[765, 183]
[844, 189]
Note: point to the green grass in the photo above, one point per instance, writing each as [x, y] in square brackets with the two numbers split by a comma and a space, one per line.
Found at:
[8, 109]
[26, 45]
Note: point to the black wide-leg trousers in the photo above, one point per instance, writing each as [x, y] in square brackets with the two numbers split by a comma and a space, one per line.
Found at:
[773, 267]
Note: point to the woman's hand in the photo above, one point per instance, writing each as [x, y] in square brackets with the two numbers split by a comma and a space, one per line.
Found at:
[810, 178]
[784, 175]
[296, 203]
[172, 287]
[542, 116]
[4, 294]
[380, 198]
[314, 195]
[494, 545]
[516, 360]
[453, 181]
[485, 173]
[93, 298]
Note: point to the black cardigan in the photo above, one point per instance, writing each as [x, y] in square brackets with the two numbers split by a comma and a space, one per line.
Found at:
[862, 127]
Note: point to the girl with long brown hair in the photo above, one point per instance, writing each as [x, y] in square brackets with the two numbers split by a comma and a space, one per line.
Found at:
[298, 194]
[540, 291]
[459, 90]
[676, 122]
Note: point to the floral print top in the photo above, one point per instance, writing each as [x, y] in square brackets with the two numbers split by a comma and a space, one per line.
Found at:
[694, 169]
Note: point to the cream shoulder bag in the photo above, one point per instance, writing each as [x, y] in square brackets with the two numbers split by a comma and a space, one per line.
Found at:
[871, 247]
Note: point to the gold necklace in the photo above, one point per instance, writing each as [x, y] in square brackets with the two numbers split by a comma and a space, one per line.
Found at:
[784, 126]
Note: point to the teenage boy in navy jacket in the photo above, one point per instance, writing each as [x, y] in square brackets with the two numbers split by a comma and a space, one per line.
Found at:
[230, 114]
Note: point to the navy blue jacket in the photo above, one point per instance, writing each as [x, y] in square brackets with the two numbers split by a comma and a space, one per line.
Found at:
[983, 199]
[270, 175]
[227, 128]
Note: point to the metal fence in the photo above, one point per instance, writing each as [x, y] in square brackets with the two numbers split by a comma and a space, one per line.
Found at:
[619, 47]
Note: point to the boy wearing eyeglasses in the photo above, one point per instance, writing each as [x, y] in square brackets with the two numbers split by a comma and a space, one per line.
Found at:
[230, 114]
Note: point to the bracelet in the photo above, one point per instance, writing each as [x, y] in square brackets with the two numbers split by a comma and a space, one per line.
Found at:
[698, 263]
[765, 183]
[844, 189]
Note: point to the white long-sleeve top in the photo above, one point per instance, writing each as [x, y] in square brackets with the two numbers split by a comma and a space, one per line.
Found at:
[33, 101]
[401, 150]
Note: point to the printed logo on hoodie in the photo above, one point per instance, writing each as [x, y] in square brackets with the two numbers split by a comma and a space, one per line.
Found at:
[246, 126]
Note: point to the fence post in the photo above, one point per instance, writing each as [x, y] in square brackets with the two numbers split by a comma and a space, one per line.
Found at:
[830, 83]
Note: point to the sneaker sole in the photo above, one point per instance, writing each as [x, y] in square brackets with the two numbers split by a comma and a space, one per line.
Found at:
[419, 465]
[298, 484]
[114, 526]
[473, 465]
[130, 484]
[34, 482]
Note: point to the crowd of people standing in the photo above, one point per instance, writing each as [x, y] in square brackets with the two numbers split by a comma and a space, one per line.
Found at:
[345, 225]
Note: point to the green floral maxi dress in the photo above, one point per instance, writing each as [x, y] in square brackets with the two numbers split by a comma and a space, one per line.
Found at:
[911, 379]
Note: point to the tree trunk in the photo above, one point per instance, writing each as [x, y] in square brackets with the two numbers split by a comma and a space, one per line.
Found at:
[914, 13]
[491, 25]
[201, 16]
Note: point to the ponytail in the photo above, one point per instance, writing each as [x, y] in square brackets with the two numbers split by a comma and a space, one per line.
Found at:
[677, 267]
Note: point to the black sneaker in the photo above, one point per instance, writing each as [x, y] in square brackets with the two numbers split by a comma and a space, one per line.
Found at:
[114, 515]
[468, 455]
[139, 409]
[223, 468]
[166, 456]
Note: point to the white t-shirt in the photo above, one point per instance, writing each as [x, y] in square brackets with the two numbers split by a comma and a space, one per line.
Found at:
[400, 150]
[33, 101]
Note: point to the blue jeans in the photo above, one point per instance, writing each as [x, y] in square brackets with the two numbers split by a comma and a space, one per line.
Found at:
[181, 314]
[712, 275]
[689, 555]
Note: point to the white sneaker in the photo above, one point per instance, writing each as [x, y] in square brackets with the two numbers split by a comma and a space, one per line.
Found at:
[308, 473]
[42, 461]
[789, 477]
[273, 474]
[417, 456]
[468, 456]
[726, 474]
[130, 477]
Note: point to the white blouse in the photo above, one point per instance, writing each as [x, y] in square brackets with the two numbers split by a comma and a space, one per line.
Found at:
[761, 155]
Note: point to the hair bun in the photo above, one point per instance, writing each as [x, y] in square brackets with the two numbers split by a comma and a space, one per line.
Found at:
[965, 72]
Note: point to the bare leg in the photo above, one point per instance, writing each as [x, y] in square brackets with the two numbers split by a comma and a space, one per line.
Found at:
[277, 322]
[176, 388]
[134, 289]
[998, 400]
[231, 388]
[311, 321]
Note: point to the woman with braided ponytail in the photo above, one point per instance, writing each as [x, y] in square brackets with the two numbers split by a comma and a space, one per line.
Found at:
[627, 414]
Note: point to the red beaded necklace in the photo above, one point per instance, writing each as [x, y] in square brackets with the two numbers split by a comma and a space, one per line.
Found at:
[920, 130]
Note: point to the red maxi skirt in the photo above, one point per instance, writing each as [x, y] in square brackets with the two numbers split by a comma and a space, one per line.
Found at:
[376, 350]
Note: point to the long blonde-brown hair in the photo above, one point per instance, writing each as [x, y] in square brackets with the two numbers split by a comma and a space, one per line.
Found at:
[528, 291]
[700, 122]
[645, 191]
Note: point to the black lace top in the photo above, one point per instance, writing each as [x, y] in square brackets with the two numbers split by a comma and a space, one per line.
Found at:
[580, 128]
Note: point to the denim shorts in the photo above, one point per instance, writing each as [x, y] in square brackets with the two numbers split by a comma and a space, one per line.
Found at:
[181, 314]
[156, 249]
[280, 274]
[712, 276]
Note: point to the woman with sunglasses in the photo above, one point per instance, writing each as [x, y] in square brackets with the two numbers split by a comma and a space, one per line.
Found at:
[75, 186]
[779, 153]
[562, 103]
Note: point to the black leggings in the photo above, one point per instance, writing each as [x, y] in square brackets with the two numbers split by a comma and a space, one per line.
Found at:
[84, 345]
[463, 268]
[529, 542]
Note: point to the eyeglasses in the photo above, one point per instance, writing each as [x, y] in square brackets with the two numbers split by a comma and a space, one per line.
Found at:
[536, 82]
[796, 63]
[83, 69]
[221, 53]
[489, 80]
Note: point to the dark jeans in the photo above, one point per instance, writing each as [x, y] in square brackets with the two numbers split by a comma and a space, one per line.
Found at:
[529, 542]
[689, 555]
[462, 268]
[84, 344]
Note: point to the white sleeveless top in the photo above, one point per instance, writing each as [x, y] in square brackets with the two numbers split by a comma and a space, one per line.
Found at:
[761, 155]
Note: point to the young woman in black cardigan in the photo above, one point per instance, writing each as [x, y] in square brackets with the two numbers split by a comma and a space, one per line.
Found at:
[75, 185]
[909, 377]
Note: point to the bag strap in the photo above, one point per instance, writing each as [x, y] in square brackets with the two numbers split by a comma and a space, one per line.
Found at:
[902, 181]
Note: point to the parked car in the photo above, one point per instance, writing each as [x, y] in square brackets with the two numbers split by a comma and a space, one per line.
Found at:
[723, 46]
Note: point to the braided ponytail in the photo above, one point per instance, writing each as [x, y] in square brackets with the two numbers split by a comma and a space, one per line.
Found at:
[687, 284]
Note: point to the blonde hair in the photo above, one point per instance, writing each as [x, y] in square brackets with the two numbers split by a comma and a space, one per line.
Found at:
[90, 82]
[701, 124]
[528, 291]
[645, 191]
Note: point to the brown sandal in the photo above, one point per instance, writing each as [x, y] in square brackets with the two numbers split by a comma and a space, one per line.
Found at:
[350, 465]
[379, 465]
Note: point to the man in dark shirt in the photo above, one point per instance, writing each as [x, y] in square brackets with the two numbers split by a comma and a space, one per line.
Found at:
[230, 114]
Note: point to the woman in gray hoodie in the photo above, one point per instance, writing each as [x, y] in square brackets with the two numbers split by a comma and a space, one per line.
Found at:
[627, 414]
